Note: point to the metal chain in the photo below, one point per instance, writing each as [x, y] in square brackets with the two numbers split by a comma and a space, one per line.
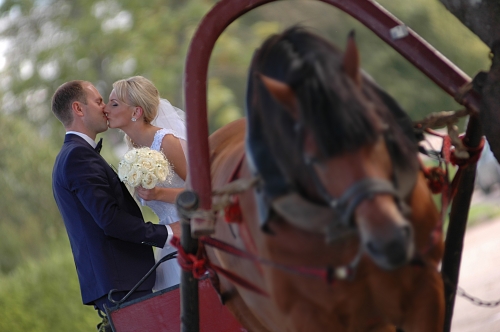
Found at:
[477, 301]
[459, 291]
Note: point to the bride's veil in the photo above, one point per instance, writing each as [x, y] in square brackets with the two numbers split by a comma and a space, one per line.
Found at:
[173, 120]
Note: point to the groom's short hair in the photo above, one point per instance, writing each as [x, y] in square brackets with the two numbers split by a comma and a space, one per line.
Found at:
[64, 97]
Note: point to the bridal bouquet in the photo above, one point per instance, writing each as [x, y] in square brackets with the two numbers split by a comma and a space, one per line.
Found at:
[144, 167]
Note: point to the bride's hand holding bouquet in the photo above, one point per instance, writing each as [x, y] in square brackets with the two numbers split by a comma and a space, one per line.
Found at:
[153, 194]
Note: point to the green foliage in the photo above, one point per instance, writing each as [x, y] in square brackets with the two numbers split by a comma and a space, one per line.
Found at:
[29, 214]
[55, 41]
[418, 95]
[44, 295]
[441, 29]
[482, 212]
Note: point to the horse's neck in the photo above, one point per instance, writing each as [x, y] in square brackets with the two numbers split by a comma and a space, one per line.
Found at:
[227, 150]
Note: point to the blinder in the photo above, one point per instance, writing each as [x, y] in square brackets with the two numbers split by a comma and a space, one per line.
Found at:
[334, 218]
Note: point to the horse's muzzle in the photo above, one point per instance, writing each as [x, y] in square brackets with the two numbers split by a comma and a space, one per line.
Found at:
[391, 252]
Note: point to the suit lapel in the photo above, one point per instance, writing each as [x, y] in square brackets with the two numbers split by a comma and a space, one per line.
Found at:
[110, 169]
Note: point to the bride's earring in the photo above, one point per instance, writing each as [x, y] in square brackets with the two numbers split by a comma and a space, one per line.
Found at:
[134, 119]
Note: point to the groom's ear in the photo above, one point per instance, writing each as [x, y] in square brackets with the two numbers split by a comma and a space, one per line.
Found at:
[77, 108]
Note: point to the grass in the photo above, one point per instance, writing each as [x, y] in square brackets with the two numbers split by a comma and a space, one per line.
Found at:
[482, 212]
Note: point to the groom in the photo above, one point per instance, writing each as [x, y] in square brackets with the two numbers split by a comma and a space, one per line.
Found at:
[110, 241]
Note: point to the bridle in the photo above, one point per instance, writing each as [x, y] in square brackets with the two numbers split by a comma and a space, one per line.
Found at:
[337, 212]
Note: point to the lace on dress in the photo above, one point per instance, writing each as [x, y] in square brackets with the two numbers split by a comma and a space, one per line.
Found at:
[168, 273]
[166, 212]
[171, 120]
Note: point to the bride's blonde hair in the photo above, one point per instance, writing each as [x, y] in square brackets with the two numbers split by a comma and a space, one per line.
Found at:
[138, 91]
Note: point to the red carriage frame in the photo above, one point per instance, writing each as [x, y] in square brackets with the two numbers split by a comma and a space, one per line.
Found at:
[410, 45]
[415, 49]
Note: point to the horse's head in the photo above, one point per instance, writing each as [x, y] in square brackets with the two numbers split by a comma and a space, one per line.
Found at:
[333, 137]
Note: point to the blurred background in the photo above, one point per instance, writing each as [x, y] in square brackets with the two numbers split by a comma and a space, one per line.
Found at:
[44, 43]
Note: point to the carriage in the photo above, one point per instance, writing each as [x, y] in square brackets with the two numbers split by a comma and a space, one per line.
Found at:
[195, 305]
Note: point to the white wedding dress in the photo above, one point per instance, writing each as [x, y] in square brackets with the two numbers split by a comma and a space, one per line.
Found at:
[171, 120]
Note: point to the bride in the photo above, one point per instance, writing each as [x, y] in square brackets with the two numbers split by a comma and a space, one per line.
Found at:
[135, 107]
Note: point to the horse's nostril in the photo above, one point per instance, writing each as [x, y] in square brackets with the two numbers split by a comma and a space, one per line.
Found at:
[372, 249]
[407, 232]
[389, 255]
[396, 253]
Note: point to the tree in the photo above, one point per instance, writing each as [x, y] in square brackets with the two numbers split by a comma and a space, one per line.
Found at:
[418, 95]
[481, 17]
[53, 41]
[29, 215]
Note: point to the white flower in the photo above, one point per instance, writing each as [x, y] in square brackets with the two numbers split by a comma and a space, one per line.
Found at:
[144, 167]
[147, 163]
[134, 177]
[149, 181]
[123, 169]
[130, 157]
[161, 172]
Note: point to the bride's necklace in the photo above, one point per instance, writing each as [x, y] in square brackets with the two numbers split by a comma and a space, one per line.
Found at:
[135, 145]
[138, 146]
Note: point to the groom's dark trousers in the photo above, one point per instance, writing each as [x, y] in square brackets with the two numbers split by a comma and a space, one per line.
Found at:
[110, 241]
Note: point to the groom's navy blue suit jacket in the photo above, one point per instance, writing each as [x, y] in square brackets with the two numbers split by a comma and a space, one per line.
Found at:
[110, 241]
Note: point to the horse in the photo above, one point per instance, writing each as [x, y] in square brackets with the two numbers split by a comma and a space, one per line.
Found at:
[338, 215]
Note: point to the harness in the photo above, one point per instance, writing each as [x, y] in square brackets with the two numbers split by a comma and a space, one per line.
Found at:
[334, 217]
[293, 202]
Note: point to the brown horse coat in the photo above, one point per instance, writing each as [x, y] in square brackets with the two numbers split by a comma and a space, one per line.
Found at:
[410, 297]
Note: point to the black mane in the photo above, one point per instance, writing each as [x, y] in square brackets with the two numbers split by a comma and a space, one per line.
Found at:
[341, 116]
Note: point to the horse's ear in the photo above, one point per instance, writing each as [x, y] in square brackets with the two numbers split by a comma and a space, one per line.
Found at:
[281, 92]
[351, 59]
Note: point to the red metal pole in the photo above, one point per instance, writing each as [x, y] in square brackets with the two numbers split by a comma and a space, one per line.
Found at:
[376, 18]
[195, 90]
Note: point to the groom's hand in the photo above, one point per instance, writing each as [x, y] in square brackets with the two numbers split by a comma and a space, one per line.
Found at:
[176, 228]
